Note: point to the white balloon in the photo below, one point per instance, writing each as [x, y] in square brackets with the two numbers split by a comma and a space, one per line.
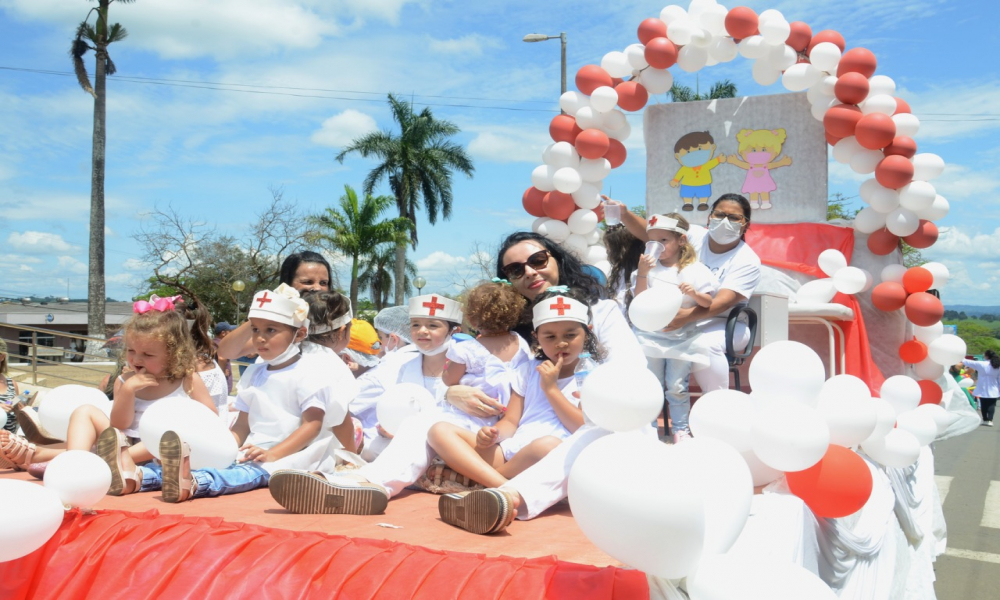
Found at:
[713, 19]
[831, 261]
[400, 402]
[594, 169]
[636, 55]
[898, 449]
[775, 31]
[881, 85]
[745, 576]
[701, 38]
[588, 196]
[604, 266]
[940, 273]
[788, 435]
[764, 73]
[921, 425]
[917, 196]
[966, 382]
[567, 180]
[692, 58]
[59, 403]
[660, 531]
[771, 376]
[79, 478]
[555, 230]
[537, 223]
[573, 101]
[761, 473]
[825, 56]
[562, 155]
[927, 334]
[941, 417]
[947, 350]
[613, 120]
[817, 92]
[893, 273]
[37, 517]
[594, 237]
[577, 244]
[724, 415]
[621, 134]
[541, 178]
[769, 14]
[723, 49]
[604, 99]
[656, 81]
[927, 368]
[901, 392]
[616, 64]
[818, 111]
[783, 57]
[869, 280]
[906, 124]
[588, 118]
[817, 291]
[726, 485]
[753, 47]
[596, 253]
[844, 150]
[885, 420]
[602, 400]
[927, 166]
[937, 210]
[865, 161]
[850, 280]
[868, 220]
[801, 76]
[582, 221]
[672, 13]
[653, 309]
[845, 403]
[882, 199]
[883, 104]
[902, 222]
[679, 31]
[212, 445]
[828, 84]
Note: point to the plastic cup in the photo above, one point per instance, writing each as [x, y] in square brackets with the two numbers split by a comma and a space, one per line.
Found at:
[654, 249]
[612, 214]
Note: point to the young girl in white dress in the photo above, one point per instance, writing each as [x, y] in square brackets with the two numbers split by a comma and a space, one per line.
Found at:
[671, 355]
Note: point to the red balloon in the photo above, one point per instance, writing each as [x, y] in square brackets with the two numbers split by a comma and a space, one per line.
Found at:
[894, 172]
[558, 205]
[841, 119]
[631, 96]
[857, 60]
[875, 131]
[591, 77]
[917, 279]
[828, 35]
[615, 81]
[901, 106]
[901, 146]
[661, 53]
[616, 153]
[532, 201]
[592, 143]
[883, 242]
[923, 309]
[832, 139]
[888, 296]
[741, 22]
[563, 128]
[837, 486]
[924, 237]
[800, 36]
[913, 351]
[852, 88]
[650, 29]
[930, 392]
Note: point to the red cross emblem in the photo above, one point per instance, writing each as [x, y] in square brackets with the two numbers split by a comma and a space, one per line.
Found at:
[652, 220]
[433, 305]
[264, 300]
[560, 306]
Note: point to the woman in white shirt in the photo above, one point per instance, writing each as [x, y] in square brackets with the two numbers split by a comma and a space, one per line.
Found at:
[988, 383]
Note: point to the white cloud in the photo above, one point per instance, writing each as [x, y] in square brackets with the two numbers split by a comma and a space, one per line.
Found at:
[468, 45]
[946, 110]
[68, 263]
[39, 242]
[339, 130]
[955, 244]
[134, 264]
[507, 144]
[959, 181]
[441, 261]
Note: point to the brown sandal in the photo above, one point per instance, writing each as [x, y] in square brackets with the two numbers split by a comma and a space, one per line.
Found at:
[480, 511]
[112, 446]
[442, 479]
[27, 420]
[15, 452]
[175, 456]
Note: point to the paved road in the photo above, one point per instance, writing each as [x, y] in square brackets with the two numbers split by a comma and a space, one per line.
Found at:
[968, 475]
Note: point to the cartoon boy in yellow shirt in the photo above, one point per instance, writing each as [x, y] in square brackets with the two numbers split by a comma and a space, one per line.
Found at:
[696, 153]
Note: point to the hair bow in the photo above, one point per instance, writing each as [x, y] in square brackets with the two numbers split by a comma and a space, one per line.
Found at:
[154, 303]
[559, 289]
[498, 280]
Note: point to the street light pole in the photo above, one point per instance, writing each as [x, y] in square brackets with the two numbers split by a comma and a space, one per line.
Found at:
[419, 283]
[541, 37]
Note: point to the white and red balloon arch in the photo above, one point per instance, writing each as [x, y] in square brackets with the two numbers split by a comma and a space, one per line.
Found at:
[870, 129]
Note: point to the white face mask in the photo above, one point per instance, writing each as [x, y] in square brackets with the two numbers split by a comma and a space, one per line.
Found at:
[724, 231]
[290, 352]
[442, 348]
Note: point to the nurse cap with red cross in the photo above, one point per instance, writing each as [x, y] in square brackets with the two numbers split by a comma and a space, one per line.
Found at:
[434, 306]
[559, 308]
[282, 305]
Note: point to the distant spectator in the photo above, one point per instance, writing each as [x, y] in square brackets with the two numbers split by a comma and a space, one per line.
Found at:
[221, 331]
[987, 384]
[362, 351]
[8, 391]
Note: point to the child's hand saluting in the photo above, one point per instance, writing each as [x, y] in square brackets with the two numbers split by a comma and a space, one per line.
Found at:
[486, 437]
[550, 373]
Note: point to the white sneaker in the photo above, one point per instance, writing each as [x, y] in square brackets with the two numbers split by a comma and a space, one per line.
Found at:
[682, 435]
[989, 423]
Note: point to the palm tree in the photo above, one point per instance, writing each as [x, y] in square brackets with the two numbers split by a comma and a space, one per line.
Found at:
[356, 230]
[377, 276]
[418, 164]
[720, 89]
[100, 36]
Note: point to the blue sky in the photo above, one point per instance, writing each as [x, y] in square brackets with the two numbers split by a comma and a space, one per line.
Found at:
[212, 155]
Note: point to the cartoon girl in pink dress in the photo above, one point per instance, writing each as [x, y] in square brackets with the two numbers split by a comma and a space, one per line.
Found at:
[758, 153]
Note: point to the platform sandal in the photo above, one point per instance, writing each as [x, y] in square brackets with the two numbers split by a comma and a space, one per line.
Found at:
[112, 446]
[27, 420]
[481, 512]
[311, 493]
[175, 456]
[15, 451]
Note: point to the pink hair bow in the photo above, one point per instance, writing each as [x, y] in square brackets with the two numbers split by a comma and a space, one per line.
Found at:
[155, 303]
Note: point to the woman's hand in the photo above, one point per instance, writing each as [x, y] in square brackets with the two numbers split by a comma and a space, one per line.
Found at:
[473, 401]
[608, 200]
[486, 437]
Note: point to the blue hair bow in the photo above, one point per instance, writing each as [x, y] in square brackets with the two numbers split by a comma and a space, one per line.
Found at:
[559, 289]
[498, 280]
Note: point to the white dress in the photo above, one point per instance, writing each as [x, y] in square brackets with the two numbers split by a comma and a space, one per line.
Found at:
[538, 418]
[218, 388]
[485, 372]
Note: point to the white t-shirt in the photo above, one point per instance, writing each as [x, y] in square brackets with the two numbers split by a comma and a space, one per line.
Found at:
[737, 270]
[697, 274]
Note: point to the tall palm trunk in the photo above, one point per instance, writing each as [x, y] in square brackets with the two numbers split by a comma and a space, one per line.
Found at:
[96, 292]
[400, 271]
[354, 283]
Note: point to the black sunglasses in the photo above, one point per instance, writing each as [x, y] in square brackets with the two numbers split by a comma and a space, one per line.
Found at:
[536, 261]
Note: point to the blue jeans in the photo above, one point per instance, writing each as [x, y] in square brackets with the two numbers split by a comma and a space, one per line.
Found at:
[673, 375]
[234, 479]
